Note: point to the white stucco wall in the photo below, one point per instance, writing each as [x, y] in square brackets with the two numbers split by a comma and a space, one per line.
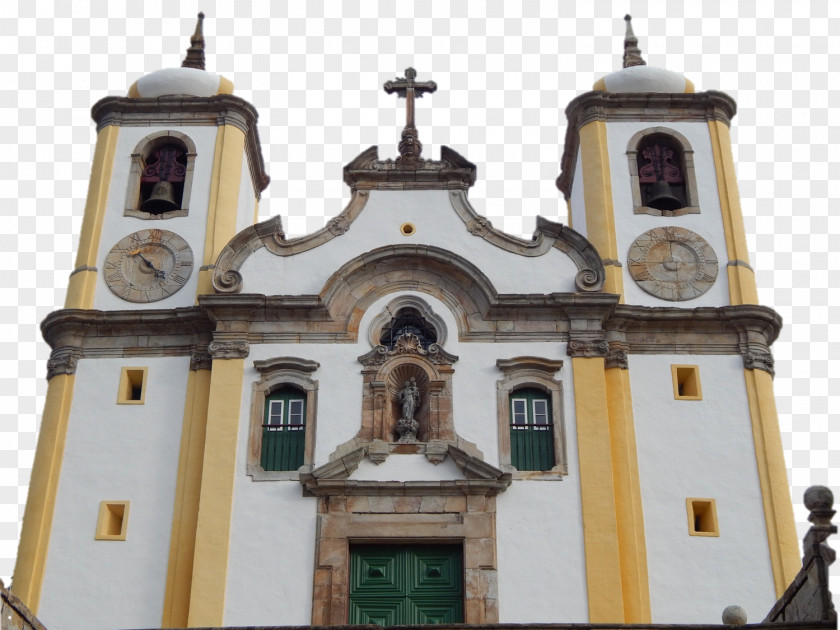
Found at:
[629, 226]
[273, 534]
[115, 453]
[379, 224]
[700, 449]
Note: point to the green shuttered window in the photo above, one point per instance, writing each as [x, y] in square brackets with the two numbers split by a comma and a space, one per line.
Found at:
[531, 430]
[283, 430]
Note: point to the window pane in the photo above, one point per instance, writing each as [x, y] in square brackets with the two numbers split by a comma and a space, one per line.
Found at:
[518, 405]
[296, 412]
[541, 412]
[275, 412]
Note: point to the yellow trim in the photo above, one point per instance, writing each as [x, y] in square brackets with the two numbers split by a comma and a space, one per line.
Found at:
[256, 211]
[111, 514]
[687, 376]
[212, 534]
[772, 476]
[628, 498]
[82, 285]
[133, 92]
[598, 499]
[598, 200]
[129, 377]
[600, 85]
[225, 85]
[224, 199]
[691, 506]
[569, 213]
[689, 87]
[176, 602]
[40, 504]
[408, 229]
[742, 288]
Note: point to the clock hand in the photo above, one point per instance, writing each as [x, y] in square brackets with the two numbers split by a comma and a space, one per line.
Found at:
[158, 272]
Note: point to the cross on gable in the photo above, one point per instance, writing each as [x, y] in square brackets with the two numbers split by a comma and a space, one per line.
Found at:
[407, 88]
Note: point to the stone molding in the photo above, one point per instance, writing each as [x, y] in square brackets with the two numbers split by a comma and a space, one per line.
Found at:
[63, 360]
[587, 348]
[182, 111]
[229, 349]
[406, 301]
[260, 319]
[368, 172]
[270, 234]
[591, 275]
[616, 357]
[200, 359]
[759, 360]
[646, 106]
[380, 354]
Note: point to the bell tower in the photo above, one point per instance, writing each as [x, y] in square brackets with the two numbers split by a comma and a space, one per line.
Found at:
[177, 171]
[649, 179]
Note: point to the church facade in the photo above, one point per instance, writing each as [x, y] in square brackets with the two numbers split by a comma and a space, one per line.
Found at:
[408, 416]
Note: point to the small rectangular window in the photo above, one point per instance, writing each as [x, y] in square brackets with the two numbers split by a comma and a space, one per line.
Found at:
[686, 382]
[132, 389]
[702, 517]
[112, 523]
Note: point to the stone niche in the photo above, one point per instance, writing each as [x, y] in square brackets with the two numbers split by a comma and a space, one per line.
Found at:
[384, 374]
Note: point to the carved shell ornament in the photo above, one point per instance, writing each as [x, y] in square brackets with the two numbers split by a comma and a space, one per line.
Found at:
[672, 263]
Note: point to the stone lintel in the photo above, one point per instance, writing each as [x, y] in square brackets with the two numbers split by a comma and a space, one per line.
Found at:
[368, 172]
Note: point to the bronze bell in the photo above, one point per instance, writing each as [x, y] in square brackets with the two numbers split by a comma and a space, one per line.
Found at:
[661, 196]
[161, 200]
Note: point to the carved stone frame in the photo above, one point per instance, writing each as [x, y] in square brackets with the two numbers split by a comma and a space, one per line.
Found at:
[687, 162]
[138, 163]
[537, 373]
[276, 373]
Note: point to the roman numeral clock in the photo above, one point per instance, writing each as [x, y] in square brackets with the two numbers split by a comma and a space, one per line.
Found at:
[148, 265]
[673, 263]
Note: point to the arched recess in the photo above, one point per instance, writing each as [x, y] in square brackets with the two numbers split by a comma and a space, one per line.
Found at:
[458, 283]
[140, 157]
[685, 162]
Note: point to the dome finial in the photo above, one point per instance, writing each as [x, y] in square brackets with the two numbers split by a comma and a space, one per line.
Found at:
[632, 54]
[195, 53]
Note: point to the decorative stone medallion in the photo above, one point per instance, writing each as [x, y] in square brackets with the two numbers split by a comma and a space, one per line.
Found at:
[673, 263]
[148, 265]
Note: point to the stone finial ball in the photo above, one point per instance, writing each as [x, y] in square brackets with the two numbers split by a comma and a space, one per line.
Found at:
[734, 616]
[818, 498]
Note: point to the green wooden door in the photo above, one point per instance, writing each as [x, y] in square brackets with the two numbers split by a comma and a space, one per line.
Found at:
[396, 585]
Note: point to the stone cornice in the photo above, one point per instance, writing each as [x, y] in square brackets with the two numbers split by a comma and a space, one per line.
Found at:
[593, 321]
[643, 106]
[166, 111]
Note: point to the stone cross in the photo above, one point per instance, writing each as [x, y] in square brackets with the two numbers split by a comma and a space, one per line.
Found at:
[408, 89]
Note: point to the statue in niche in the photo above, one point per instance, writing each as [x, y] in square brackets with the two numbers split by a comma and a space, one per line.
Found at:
[409, 397]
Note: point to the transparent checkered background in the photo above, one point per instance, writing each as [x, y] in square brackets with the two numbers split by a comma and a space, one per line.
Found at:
[505, 74]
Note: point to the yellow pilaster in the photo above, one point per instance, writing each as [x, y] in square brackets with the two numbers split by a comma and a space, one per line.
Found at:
[224, 200]
[741, 277]
[772, 475]
[40, 504]
[82, 285]
[600, 525]
[176, 604]
[628, 498]
[598, 201]
[215, 503]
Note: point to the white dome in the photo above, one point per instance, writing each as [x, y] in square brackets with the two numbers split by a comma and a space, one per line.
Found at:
[172, 81]
[644, 79]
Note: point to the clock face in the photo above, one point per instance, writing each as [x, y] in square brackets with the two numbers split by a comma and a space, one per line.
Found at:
[673, 263]
[148, 266]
